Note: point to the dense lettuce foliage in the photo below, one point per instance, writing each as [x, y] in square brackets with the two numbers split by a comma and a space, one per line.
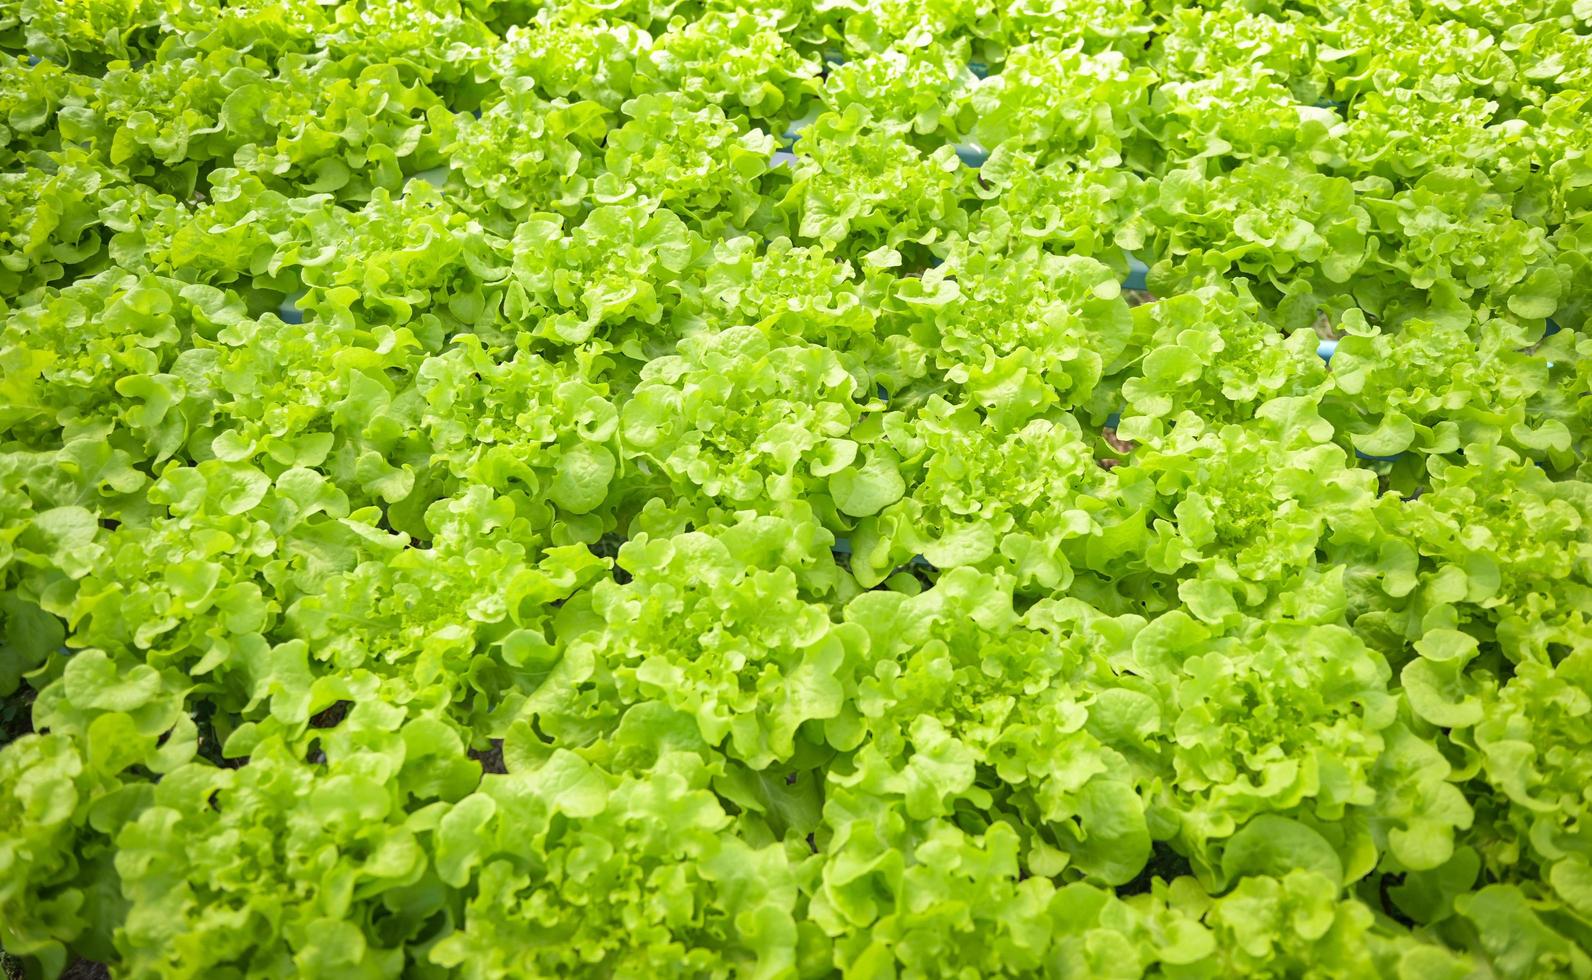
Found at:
[662, 488]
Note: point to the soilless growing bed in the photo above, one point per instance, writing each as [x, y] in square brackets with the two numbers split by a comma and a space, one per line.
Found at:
[493, 489]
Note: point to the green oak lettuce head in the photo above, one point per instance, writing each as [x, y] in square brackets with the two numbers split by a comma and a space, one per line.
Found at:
[1265, 220]
[637, 872]
[1432, 387]
[1057, 98]
[920, 90]
[714, 626]
[1066, 207]
[1314, 701]
[740, 420]
[526, 155]
[859, 180]
[1450, 241]
[734, 59]
[1022, 499]
[1211, 357]
[1019, 330]
[1234, 517]
[570, 56]
[963, 700]
[616, 269]
[1495, 544]
[696, 161]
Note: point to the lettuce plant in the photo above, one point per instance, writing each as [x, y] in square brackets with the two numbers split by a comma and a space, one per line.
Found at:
[804, 489]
